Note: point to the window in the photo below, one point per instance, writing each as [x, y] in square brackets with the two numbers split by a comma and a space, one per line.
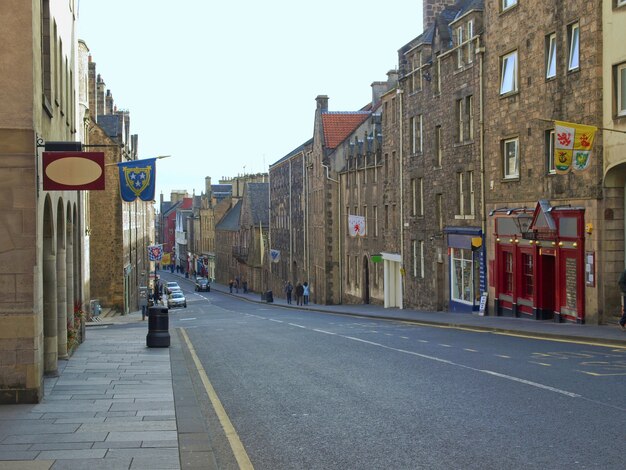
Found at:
[416, 77]
[418, 258]
[439, 209]
[421, 254]
[375, 221]
[511, 158]
[551, 56]
[506, 4]
[549, 142]
[415, 265]
[469, 111]
[621, 88]
[420, 195]
[470, 186]
[386, 216]
[416, 134]
[414, 196]
[438, 146]
[574, 47]
[470, 35]
[620, 3]
[436, 79]
[46, 55]
[460, 119]
[459, 50]
[508, 77]
[527, 275]
[508, 272]
[461, 275]
[460, 194]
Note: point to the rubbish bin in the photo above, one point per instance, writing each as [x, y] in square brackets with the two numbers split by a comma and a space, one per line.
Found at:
[269, 296]
[158, 328]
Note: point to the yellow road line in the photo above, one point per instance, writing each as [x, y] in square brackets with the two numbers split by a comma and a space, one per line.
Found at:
[233, 438]
[598, 343]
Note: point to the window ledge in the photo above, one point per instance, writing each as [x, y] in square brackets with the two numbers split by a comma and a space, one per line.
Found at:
[510, 179]
[46, 106]
[509, 94]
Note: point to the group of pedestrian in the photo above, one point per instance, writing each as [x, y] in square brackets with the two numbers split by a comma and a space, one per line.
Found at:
[302, 292]
[236, 284]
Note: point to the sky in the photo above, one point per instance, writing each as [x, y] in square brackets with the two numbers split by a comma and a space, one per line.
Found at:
[228, 87]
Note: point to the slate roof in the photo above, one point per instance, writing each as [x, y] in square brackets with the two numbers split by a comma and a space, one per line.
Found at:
[295, 151]
[339, 125]
[230, 221]
[222, 188]
[111, 124]
[258, 199]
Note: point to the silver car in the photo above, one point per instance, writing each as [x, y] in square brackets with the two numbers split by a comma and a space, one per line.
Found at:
[176, 299]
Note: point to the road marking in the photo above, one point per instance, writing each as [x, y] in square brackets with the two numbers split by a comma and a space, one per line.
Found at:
[528, 382]
[469, 350]
[541, 363]
[186, 319]
[295, 324]
[445, 345]
[422, 341]
[404, 337]
[503, 356]
[557, 340]
[231, 434]
[276, 321]
[325, 332]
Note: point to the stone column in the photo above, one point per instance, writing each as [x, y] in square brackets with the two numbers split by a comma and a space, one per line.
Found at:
[61, 302]
[70, 296]
[50, 354]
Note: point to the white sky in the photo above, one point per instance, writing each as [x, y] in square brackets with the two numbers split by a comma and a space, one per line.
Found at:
[228, 87]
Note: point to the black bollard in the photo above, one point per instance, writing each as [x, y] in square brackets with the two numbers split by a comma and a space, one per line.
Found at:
[269, 296]
[158, 328]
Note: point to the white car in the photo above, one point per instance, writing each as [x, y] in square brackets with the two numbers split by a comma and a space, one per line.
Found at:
[172, 286]
[176, 299]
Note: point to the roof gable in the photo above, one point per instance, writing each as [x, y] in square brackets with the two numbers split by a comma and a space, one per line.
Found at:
[339, 125]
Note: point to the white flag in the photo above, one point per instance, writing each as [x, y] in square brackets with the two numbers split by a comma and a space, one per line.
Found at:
[356, 225]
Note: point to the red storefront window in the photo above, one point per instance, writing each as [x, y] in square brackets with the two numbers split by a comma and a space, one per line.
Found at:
[527, 275]
[508, 272]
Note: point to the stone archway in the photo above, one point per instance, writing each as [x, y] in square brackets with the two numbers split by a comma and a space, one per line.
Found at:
[61, 263]
[49, 282]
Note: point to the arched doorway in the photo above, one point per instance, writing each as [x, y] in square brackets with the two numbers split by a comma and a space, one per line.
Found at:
[365, 291]
[50, 345]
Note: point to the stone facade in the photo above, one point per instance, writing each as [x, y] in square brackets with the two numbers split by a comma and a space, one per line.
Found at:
[42, 232]
[289, 230]
[524, 92]
[440, 83]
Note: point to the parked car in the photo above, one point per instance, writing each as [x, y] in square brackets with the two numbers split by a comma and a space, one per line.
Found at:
[176, 299]
[172, 286]
[203, 284]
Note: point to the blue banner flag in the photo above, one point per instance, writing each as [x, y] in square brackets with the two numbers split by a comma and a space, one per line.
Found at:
[137, 179]
[155, 252]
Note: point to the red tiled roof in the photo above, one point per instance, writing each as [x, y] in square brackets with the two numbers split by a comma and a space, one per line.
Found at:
[338, 126]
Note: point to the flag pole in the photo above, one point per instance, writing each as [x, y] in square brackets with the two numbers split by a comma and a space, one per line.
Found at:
[599, 128]
[156, 158]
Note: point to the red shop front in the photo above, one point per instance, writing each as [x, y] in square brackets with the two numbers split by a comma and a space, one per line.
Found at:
[538, 270]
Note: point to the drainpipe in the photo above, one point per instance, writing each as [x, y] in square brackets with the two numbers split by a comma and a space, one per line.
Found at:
[480, 50]
[400, 93]
[338, 229]
[292, 275]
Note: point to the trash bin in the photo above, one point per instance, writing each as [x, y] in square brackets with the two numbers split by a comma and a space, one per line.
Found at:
[158, 328]
[269, 296]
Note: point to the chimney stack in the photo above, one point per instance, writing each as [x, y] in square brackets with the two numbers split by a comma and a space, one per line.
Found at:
[322, 103]
[432, 8]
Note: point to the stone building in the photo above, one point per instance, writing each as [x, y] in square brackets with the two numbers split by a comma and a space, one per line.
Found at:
[612, 224]
[441, 169]
[250, 249]
[42, 233]
[119, 232]
[369, 169]
[325, 208]
[227, 237]
[289, 232]
[543, 62]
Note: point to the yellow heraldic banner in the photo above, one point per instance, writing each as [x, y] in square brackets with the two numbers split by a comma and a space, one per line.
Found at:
[572, 146]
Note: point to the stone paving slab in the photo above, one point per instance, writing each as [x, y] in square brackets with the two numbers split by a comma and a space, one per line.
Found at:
[27, 465]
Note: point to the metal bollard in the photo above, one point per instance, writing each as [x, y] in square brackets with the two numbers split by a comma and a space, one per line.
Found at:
[158, 328]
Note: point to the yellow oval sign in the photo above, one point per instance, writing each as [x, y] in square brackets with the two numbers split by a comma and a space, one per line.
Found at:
[73, 171]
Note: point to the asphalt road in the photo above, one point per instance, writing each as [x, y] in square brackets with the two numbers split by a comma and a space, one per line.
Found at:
[308, 390]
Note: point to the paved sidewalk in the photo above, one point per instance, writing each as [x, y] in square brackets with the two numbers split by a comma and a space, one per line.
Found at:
[112, 407]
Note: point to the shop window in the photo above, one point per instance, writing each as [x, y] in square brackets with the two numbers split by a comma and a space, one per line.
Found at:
[508, 273]
[462, 275]
[527, 275]
[506, 4]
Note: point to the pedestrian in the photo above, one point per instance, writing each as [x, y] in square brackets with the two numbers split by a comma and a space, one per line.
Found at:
[245, 286]
[622, 286]
[299, 293]
[230, 285]
[305, 292]
[237, 285]
[288, 291]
